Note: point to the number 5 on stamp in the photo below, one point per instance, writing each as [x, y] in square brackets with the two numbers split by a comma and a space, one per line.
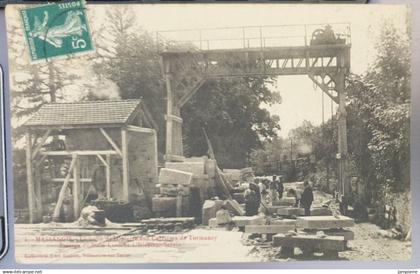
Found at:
[56, 30]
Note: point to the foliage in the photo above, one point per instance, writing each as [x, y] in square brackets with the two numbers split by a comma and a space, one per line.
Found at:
[379, 114]
[34, 84]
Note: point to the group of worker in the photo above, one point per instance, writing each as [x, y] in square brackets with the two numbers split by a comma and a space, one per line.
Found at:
[261, 192]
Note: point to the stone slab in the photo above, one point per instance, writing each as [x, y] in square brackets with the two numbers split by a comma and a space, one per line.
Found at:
[268, 229]
[283, 222]
[242, 221]
[173, 190]
[209, 210]
[163, 203]
[310, 241]
[210, 168]
[324, 222]
[196, 168]
[233, 174]
[347, 234]
[289, 211]
[213, 223]
[169, 176]
[286, 201]
[234, 207]
[273, 208]
[320, 211]
[201, 181]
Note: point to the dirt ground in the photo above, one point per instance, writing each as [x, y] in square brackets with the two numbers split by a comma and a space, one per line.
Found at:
[366, 246]
[36, 244]
[64, 243]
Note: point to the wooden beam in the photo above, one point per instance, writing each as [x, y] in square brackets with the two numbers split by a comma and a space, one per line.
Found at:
[149, 118]
[41, 143]
[76, 189]
[61, 195]
[184, 99]
[169, 109]
[79, 152]
[141, 129]
[174, 118]
[110, 141]
[61, 180]
[124, 144]
[108, 176]
[29, 177]
[102, 160]
[174, 158]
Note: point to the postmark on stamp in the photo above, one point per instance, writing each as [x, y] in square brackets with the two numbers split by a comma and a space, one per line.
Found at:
[56, 30]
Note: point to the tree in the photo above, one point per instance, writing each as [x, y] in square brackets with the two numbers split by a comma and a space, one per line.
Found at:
[127, 56]
[229, 109]
[379, 108]
[33, 85]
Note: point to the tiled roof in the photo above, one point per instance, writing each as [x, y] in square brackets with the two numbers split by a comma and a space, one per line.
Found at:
[84, 113]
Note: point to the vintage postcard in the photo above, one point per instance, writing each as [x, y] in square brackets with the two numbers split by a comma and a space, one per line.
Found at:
[210, 133]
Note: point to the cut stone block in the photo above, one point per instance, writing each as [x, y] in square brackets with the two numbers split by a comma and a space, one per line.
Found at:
[336, 243]
[289, 211]
[324, 222]
[283, 222]
[174, 177]
[163, 204]
[347, 234]
[320, 211]
[286, 201]
[273, 208]
[223, 217]
[234, 207]
[173, 190]
[210, 208]
[242, 221]
[213, 223]
[233, 174]
[268, 229]
[211, 166]
[196, 168]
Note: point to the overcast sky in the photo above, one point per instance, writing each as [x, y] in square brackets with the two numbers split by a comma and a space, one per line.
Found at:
[300, 100]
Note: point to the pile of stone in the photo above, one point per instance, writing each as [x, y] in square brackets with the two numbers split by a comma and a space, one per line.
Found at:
[178, 181]
[324, 234]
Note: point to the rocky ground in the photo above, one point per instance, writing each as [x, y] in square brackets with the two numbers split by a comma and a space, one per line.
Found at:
[366, 246]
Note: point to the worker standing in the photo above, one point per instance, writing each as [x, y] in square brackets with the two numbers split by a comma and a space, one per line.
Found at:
[272, 192]
[251, 200]
[307, 198]
[280, 187]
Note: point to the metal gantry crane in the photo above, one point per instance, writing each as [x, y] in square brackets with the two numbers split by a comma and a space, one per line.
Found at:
[322, 52]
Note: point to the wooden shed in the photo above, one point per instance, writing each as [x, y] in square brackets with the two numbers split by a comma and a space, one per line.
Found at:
[116, 138]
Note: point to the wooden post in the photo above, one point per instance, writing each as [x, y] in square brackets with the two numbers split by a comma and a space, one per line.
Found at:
[29, 177]
[179, 204]
[342, 133]
[169, 109]
[76, 189]
[124, 144]
[61, 195]
[36, 178]
[108, 176]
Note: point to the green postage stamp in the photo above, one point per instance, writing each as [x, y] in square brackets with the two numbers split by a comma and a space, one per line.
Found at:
[56, 30]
